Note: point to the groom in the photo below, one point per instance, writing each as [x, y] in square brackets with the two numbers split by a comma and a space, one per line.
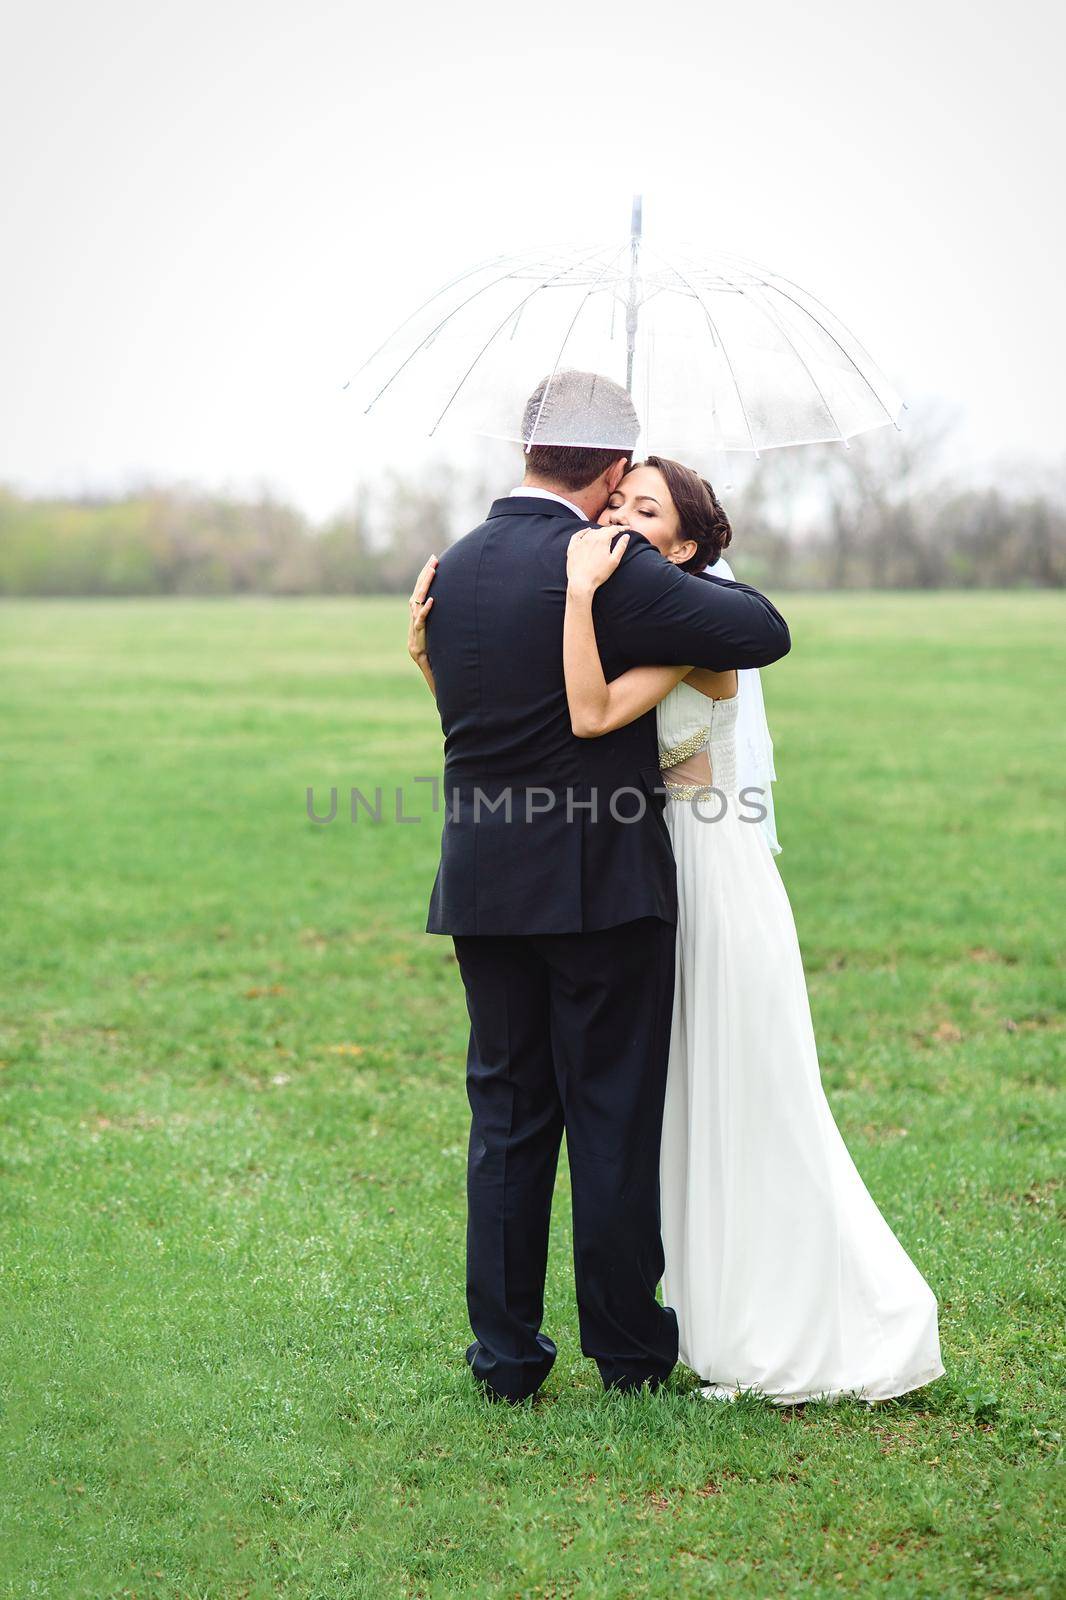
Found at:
[557, 885]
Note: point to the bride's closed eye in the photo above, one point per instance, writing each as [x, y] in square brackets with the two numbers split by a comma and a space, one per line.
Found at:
[616, 504]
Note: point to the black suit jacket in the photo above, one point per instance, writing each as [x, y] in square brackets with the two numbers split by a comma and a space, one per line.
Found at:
[562, 860]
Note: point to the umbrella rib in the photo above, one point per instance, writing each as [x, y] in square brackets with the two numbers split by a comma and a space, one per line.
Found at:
[498, 330]
[850, 359]
[493, 261]
[767, 279]
[813, 298]
[779, 325]
[593, 286]
[714, 329]
[454, 313]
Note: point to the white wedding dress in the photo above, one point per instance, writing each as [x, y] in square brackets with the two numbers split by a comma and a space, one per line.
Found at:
[784, 1275]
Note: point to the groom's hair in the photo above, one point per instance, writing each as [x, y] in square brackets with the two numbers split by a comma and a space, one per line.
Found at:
[572, 412]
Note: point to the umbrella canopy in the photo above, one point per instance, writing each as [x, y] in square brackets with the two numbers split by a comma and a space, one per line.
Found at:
[718, 353]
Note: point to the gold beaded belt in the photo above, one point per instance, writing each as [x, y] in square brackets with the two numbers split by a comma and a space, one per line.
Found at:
[690, 791]
[681, 752]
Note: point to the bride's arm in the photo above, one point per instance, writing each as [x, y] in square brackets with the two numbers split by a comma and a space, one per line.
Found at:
[596, 706]
[416, 627]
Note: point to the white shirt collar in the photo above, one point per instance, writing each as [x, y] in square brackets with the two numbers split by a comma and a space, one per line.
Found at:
[546, 494]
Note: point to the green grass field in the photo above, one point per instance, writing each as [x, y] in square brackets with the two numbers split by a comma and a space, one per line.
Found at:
[234, 1122]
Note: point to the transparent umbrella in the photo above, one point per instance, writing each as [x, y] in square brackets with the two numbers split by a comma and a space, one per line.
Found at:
[718, 354]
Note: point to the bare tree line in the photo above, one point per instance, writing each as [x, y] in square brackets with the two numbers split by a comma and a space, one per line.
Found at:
[883, 514]
[886, 514]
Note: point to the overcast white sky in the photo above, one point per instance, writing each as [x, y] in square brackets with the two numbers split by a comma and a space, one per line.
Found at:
[212, 209]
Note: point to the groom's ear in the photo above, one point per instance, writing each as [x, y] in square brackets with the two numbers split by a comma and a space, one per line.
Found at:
[615, 473]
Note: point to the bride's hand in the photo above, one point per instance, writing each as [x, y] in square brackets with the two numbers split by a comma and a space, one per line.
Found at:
[420, 609]
[590, 559]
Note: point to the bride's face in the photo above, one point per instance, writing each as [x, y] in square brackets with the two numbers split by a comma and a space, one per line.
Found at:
[642, 501]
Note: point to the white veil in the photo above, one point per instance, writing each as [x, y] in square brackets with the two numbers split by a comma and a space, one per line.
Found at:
[755, 749]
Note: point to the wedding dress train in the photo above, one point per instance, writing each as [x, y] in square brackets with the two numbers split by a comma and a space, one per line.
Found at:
[784, 1275]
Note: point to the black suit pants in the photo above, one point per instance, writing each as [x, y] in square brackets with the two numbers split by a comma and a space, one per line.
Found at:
[567, 1032]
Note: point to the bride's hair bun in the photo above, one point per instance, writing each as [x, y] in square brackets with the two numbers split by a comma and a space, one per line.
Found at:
[699, 511]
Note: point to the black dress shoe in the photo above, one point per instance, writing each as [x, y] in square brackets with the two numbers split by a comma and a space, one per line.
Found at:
[487, 1388]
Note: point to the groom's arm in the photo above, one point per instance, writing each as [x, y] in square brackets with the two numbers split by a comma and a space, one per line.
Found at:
[659, 614]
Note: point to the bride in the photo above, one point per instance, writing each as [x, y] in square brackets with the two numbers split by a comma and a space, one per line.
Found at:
[784, 1276]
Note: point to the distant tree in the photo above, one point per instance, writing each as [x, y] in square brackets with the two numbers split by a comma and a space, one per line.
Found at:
[883, 514]
[415, 519]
